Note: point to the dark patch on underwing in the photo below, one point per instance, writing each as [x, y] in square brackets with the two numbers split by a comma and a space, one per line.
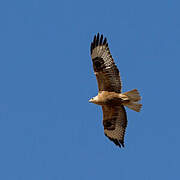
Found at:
[109, 124]
[98, 64]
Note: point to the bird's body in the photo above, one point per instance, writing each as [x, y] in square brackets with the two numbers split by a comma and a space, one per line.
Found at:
[116, 99]
[109, 96]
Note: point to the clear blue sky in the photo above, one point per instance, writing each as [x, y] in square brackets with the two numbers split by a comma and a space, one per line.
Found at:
[48, 130]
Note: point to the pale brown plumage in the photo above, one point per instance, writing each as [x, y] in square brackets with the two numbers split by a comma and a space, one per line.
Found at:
[109, 97]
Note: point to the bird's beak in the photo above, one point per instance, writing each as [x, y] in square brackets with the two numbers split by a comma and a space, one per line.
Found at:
[90, 100]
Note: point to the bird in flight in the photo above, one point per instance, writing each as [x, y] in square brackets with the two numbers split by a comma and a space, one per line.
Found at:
[109, 96]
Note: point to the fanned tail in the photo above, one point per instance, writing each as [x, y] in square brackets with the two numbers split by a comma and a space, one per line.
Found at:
[133, 97]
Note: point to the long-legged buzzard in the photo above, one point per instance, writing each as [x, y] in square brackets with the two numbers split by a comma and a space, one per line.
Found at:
[109, 96]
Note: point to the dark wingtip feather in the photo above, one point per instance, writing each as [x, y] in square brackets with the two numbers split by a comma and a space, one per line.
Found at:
[122, 143]
[98, 40]
[101, 38]
[105, 41]
[116, 142]
[94, 41]
[91, 47]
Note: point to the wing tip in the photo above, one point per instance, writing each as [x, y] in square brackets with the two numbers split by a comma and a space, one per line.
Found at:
[120, 143]
[117, 142]
[98, 40]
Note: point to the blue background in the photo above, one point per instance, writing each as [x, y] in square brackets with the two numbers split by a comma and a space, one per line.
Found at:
[48, 130]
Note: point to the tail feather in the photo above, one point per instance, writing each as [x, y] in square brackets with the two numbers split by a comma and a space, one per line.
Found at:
[134, 106]
[133, 97]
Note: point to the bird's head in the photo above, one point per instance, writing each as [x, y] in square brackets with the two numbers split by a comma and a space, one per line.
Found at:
[93, 100]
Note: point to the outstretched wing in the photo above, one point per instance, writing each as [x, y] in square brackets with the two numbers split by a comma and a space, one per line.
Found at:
[115, 122]
[106, 71]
